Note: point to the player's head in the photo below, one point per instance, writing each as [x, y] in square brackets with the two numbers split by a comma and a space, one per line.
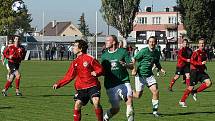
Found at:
[10, 41]
[16, 39]
[152, 41]
[80, 46]
[201, 43]
[111, 41]
[185, 43]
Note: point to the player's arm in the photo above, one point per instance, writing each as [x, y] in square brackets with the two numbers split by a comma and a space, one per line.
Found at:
[181, 57]
[194, 60]
[70, 75]
[127, 61]
[158, 65]
[97, 67]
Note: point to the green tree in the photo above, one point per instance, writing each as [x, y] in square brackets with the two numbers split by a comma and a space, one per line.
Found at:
[83, 27]
[11, 22]
[120, 14]
[198, 17]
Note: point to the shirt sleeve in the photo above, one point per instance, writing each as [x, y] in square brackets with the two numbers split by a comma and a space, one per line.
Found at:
[127, 57]
[70, 75]
[180, 56]
[194, 59]
[97, 67]
[139, 55]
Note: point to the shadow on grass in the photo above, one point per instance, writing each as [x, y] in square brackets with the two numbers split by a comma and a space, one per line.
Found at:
[5, 107]
[56, 95]
[187, 113]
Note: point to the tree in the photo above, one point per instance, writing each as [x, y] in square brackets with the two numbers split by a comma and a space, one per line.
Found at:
[198, 17]
[83, 27]
[120, 14]
[11, 22]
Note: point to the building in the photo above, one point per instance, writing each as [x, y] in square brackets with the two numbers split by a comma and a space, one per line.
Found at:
[55, 28]
[165, 25]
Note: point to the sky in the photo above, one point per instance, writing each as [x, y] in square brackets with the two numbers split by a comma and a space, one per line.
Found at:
[71, 10]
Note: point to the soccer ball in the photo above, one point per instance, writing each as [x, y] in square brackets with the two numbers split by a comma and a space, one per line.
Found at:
[18, 6]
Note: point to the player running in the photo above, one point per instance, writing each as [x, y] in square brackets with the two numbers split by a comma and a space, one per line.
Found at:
[15, 54]
[145, 59]
[116, 78]
[183, 64]
[84, 69]
[197, 73]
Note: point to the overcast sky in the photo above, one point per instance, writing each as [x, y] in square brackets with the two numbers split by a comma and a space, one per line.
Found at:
[71, 10]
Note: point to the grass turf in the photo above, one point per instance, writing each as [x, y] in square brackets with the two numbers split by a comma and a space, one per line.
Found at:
[41, 103]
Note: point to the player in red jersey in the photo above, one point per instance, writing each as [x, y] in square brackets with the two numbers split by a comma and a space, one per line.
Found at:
[85, 70]
[15, 54]
[197, 72]
[183, 64]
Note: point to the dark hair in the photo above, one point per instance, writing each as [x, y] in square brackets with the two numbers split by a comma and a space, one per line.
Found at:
[185, 40]
[115, 39]
[152, 37]
[82, 45]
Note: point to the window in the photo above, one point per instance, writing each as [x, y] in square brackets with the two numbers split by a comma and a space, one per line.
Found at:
[172, 34]
[172, 20]
[156, 20]
[142, 20]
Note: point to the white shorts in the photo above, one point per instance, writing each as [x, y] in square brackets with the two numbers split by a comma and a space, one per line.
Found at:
[119, 92]
[141, 82]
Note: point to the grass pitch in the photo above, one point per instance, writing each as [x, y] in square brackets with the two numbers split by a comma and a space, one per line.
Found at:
[41, 103]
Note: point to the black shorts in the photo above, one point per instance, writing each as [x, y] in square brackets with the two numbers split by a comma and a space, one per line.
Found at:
[182, 70]
[196, 76]
[13, 67]
[87, 94]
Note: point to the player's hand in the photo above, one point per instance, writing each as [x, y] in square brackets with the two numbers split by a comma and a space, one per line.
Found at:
[163, 71]
[133, 72]
[188, 60]
[54, 86]
[204, 62]
[10, 57]
[93, 73]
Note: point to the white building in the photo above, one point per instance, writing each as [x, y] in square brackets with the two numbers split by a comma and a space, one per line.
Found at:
[163, 25]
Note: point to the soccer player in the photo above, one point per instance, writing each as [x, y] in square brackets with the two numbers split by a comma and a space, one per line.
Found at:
[145, 60]
[84, 69]
[197, 72]
[115, 62]
[183, 64]
[15, 54]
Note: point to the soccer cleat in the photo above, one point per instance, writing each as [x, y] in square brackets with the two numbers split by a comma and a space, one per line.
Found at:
[170, 89]
[194, 96]
[4, 93]
[155, 113]
[182, 104]
[18, 94]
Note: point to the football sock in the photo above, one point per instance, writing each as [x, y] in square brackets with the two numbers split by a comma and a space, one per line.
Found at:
[185, 95]
[77, 115]
[99, 113]
[7, 85]
[202, 87]
[172, 82]
[17, 81]
[130, 113]
[155, 104]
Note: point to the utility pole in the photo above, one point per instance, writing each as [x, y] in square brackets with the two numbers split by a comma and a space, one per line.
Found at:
[177, 7]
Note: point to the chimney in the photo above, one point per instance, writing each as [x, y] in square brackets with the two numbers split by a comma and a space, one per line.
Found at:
[54, 23]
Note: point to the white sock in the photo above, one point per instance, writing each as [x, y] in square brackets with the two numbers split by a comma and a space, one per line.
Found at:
[108, 115]
[155, 104]
[130, 113]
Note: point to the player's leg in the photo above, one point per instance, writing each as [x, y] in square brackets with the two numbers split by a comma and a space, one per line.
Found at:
[77, 110]
[176, 76]
[114, 100]
[17, 81]
[127, 91]
[137, 93]
[152, 84]
[95, 97]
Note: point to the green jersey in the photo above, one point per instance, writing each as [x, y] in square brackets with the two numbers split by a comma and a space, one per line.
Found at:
[5, 61]
[146, 58]
[115, 73]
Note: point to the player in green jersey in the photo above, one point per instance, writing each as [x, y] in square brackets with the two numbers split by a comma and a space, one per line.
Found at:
[145, 60]
[115, 62]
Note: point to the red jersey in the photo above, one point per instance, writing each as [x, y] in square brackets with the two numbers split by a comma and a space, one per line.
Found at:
[183, 55]
[80, 69]
[11, 51]
[196, 60]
